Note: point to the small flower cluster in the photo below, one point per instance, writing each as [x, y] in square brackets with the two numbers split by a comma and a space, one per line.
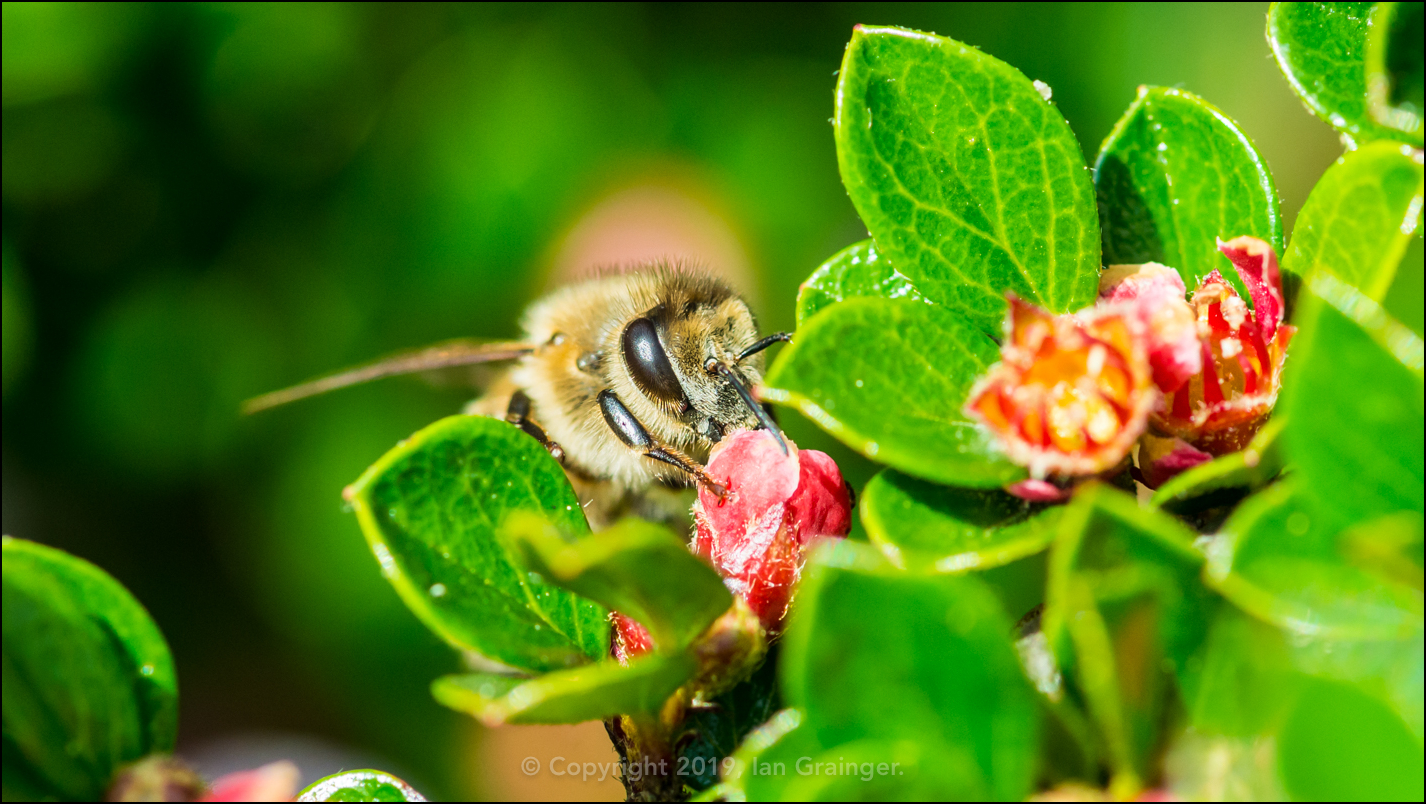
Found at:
[1187, 379]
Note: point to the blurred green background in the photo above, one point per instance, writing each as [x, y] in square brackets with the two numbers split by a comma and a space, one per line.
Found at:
[204, 202]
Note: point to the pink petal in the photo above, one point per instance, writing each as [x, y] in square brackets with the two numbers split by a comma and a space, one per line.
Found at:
[1042, 491]
[1257, 266]
[822, 504]
[750, 464]
[1150, 281]
[1156, 294]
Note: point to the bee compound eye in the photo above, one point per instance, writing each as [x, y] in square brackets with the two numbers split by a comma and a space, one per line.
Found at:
[649, 364]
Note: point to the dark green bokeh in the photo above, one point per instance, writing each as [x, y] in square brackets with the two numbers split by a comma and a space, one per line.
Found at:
[201, 203]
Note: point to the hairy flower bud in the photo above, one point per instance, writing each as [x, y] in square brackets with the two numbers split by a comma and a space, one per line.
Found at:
[1071, 393]
[776, 505]
[631, 639]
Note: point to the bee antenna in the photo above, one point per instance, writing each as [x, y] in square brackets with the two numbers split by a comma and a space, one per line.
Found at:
[784, 337]
[718, 367]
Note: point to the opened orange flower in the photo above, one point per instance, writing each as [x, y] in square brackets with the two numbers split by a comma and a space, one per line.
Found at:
[1072, 393]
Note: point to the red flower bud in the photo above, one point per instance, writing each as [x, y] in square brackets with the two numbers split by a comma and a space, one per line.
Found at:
[776, 505]
[1071, 393]
[1162, 458]
[630, 638]
[1220, 408]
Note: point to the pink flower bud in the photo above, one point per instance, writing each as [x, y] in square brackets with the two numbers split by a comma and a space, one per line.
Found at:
[776, 505]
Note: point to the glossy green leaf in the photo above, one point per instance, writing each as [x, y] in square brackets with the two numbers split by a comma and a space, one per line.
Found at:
[920, 525]
[863, 634]
[360, 785]
[888, 377]
[590, 692]
[1352, 394]
[1322, 49]
[1394, 67]
[1279, 559]
[1360, 218]
[857, 270]
[1124, 612]
[431, 509]
[1249, 468]
[89, 682]
[966, 177]
[1340, 744]
[1173, 177]
[637, 568]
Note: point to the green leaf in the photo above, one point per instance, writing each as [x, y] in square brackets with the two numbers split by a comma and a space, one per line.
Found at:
[1124, 612]
[431, 508]
[1249, 468]
[1352, 394]
[1394, 67]
[637, 568]
[1322, 49]
[590, 692]
[360, 785]
[1340, 744]
[1360, 218]
[1244, 683]
[966, 177]
[857, 270]
[1173, 177]
[920, 525]
[766, 762]
[863, 634]
[1279, 559]
[887, 770]
[888, 377]
[89, 682]
[1250, 675]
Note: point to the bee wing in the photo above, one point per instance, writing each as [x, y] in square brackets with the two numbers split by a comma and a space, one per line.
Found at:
[441, 355]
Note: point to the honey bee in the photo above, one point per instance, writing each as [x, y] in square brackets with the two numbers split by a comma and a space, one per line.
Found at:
[628, 380]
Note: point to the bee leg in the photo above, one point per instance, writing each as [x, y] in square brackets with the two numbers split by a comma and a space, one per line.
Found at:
[518, 414]
[633, 434]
